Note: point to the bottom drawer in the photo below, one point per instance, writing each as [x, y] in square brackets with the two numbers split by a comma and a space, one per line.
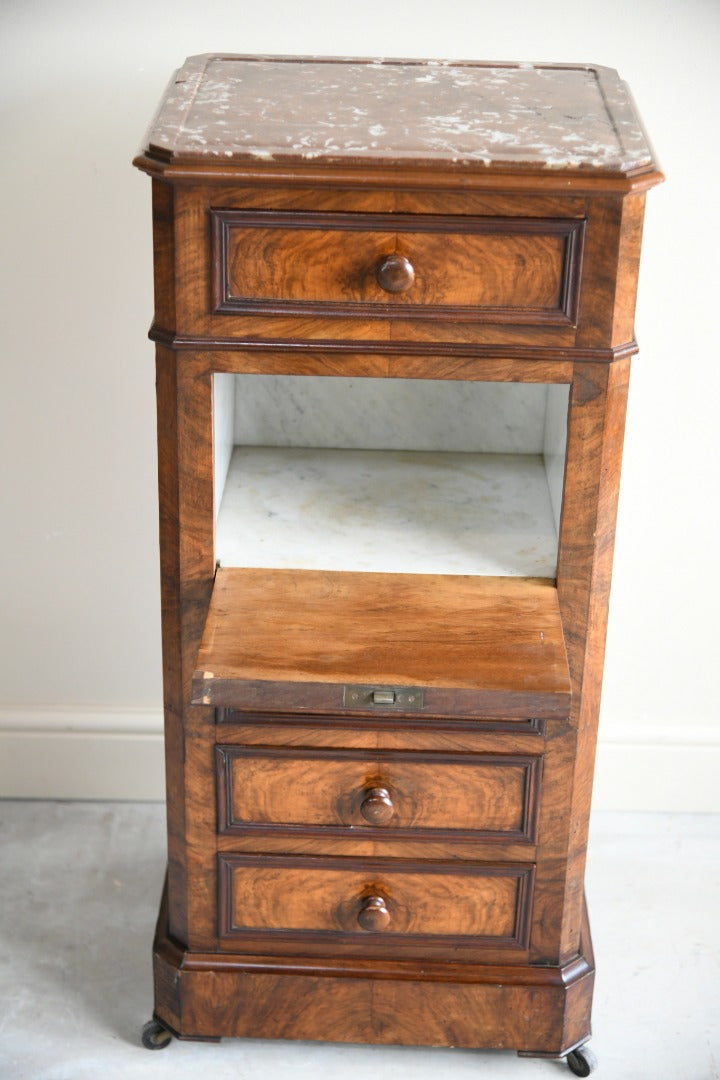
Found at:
[351, 900]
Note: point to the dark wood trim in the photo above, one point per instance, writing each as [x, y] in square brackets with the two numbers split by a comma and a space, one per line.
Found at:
[523, 872]
[327, 697]
[440, 313]
[572, 272]
[320, 346]
[222, 221]
[520, 725]
[228, 825]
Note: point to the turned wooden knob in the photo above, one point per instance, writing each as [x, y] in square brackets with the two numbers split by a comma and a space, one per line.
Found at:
[395, 273]
[377, 806]
[374, 915]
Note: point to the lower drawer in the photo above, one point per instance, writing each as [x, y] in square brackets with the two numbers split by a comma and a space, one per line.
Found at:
[376, 900]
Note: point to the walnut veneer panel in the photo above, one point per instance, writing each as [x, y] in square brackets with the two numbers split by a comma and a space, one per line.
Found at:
[350, 793]
[297, 637]
[358, 900]
[499, 269]
[501, 1005]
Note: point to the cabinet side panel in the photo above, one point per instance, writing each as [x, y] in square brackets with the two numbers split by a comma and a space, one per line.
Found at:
[611, 263]
[168, 492]
[163, 208]
[596, 430]
[186, 545]
[628, 268]
[597, 291]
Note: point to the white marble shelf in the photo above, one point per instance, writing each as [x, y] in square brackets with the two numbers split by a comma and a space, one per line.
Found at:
[391, 511]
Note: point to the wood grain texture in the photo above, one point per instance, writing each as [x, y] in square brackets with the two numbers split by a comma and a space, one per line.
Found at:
[200, 275]
[464, 634]
[163, 211]
[499, 362]
[331, 793]
[470, 268]
[542, 1010]
[611, 264]
[380, 845]
[301, 896]
[623, 327]
[285, 359]
[371, 200]
[596, 433]
[185, 484]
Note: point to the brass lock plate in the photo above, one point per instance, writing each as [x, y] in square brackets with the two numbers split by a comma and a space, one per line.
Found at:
[383, 697]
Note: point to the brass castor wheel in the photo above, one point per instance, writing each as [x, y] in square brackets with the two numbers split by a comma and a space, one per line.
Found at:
[582, 1061]
[157, 1037]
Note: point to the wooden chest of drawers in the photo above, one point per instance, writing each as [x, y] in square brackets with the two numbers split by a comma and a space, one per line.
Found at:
[383, 643]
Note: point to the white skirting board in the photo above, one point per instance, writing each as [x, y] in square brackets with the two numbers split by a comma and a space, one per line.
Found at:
[59, 753]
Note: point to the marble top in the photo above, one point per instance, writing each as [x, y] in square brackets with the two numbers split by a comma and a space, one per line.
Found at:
[346, 111]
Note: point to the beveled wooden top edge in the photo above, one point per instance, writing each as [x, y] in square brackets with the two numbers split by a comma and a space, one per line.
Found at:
[428, 177]
[586, 127]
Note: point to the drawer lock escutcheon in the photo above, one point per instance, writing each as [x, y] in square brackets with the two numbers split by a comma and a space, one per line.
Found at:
[406, 698]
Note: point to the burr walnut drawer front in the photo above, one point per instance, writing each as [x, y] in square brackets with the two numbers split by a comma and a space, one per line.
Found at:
[393, 794]
[355, 899]
[517, 270]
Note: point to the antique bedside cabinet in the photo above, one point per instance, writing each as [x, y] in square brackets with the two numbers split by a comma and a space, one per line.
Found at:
[394, 319]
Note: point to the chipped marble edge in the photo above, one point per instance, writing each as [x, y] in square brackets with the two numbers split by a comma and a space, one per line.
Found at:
[618, 167]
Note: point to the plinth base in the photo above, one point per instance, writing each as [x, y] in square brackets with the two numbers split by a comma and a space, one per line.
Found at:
[543, 1011]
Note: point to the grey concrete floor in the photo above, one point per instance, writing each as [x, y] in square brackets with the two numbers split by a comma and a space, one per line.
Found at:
[79, 888]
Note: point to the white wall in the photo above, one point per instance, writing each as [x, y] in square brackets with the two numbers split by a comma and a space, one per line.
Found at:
[79, 610]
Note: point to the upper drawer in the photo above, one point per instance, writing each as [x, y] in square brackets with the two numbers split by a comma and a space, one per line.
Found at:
[396, 794]
[418, 266]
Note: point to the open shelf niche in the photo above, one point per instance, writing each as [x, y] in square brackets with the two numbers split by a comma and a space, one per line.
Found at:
[384, 475]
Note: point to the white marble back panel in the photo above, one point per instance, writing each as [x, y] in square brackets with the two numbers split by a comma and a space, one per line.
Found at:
[390, 414]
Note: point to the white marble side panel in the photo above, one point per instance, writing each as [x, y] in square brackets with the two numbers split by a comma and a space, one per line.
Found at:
[223, 410]
[387, 511]
[555, 444]
[393, 414]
